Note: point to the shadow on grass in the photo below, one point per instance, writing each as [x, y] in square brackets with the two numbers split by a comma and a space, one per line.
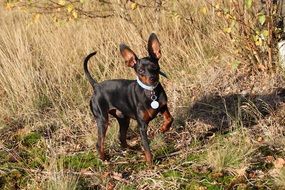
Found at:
[224, 112]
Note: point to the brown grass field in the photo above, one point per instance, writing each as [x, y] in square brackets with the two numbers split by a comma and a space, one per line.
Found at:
[228, 131]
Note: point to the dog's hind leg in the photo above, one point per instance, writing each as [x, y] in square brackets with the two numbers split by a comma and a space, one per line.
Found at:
[102, 125]
[101, 116]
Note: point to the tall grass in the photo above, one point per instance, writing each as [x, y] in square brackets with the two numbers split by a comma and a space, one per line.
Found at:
[279, 178]
[230, 153]
[42, 81]
[41, 60]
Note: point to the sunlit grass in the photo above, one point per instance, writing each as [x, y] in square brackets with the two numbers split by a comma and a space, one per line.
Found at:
[232, 152]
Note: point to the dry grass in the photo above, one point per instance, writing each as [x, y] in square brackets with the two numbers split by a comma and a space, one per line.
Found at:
[230, 153]
[279, 178]
[49, 59]
[44, 91]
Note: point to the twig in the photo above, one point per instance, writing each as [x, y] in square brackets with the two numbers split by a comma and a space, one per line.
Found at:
[169, 155]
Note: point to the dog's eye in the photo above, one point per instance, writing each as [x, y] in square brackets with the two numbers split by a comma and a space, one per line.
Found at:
[141, 71]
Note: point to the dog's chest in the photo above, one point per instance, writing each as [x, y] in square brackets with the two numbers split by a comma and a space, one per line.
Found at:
[150, 113]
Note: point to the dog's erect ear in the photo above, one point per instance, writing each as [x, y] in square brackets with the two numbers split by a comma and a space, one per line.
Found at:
[153, 47]
[128, 55]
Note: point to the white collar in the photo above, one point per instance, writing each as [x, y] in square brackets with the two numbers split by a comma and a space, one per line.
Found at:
[144, 86]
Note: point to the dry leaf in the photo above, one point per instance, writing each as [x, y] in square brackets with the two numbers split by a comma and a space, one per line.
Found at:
[259, 139]
[269, 159]
[279, 163]
[119, 177]
[110, 186]
[217, 175]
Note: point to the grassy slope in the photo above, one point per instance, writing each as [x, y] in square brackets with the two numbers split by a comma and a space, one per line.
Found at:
[228, 131]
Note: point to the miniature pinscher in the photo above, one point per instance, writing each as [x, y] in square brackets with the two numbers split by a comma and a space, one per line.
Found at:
[141, 99]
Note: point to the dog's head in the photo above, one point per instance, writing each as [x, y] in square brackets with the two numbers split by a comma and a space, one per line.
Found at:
[147, 68]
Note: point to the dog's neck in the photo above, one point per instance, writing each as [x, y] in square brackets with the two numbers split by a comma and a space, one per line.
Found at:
[146, 87]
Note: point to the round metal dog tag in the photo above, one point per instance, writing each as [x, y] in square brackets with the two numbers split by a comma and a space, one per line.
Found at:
[154, 104]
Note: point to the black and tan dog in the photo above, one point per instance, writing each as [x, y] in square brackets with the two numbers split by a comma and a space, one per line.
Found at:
[140, 99]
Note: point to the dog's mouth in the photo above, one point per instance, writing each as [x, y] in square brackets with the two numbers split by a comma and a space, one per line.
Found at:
[150, 80]
[153, 80]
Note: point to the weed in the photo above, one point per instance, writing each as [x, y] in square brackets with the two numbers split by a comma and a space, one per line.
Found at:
[31, 139]
[279, 178]
[231, 152]
[82, 161]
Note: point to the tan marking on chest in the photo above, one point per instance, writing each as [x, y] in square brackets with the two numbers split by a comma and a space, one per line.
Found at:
[149, 114]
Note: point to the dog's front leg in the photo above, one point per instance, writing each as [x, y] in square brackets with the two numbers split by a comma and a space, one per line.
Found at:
[168, 119]
[145, 141]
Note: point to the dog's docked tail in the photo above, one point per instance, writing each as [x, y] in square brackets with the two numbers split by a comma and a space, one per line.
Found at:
[87, 73]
